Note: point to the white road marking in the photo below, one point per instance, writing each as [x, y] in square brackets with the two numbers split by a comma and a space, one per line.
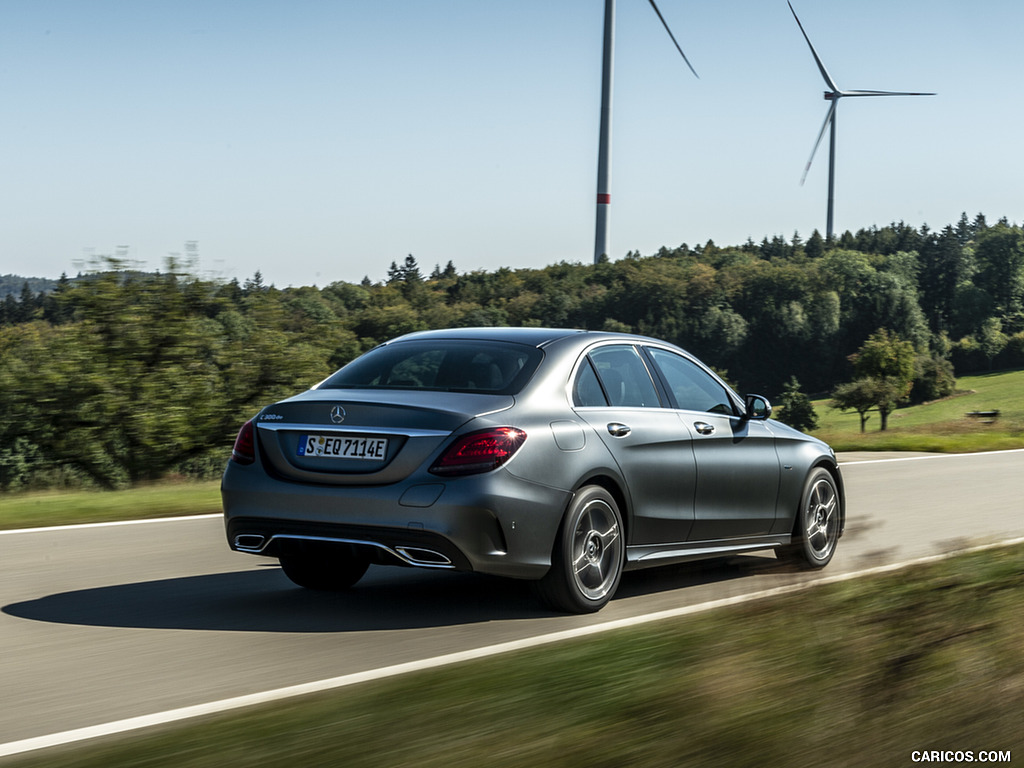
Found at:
[333, 683]
[111, 524]
[857, 462]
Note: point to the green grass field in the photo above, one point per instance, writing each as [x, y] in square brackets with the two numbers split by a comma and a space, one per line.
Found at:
[941, 426]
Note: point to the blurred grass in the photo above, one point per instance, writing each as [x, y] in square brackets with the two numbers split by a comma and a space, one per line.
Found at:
[941, 426]
[857, 674]
[41, 508]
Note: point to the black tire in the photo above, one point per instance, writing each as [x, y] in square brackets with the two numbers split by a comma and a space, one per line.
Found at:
[817, 524]
[588, 556]
[323, 574]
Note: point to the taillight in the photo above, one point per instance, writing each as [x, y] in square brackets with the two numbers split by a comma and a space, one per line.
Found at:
[479, 451]
[244, 451]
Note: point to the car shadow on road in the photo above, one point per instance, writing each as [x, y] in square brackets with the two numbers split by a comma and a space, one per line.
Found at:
[263, 600]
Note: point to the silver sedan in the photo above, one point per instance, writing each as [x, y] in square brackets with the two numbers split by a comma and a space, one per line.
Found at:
[560, 456]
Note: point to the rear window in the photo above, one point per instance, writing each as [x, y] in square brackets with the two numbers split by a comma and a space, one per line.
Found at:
[488, 367]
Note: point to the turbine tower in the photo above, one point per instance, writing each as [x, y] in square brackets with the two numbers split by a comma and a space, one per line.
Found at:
[833, 95]
[604, 145]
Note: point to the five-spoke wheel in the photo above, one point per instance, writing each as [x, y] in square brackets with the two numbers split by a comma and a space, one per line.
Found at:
[589, 553]
[818, 523]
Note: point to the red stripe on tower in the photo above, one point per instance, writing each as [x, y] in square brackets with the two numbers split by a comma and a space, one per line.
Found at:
[604, 199]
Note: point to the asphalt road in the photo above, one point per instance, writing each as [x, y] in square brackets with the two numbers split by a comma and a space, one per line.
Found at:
[102, 624]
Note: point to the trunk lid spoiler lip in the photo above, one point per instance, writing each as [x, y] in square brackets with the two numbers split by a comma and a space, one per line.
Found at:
[276, 426]
[460, 404]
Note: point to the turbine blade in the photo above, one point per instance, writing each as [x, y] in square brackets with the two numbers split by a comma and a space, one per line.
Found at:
[821, 135]
[824, 72]
[884, 93]
[665, 24]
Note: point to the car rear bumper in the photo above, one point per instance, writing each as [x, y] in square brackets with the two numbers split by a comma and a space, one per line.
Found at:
[492, 523]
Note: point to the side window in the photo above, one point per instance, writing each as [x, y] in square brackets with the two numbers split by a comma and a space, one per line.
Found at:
[624, 377]
[690, 385]
[586, 390]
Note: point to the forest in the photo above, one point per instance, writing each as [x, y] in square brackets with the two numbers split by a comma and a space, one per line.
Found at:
[118, 376]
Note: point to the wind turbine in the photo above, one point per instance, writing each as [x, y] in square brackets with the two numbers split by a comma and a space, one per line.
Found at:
[604, 145]
[834, 95]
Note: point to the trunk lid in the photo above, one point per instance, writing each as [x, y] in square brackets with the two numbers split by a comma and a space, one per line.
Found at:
[357, 437]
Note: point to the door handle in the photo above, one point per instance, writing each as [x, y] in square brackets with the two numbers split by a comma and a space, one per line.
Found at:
[704, 428]
[615, 429]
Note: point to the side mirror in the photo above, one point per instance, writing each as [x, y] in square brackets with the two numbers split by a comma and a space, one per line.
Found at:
[758, 408]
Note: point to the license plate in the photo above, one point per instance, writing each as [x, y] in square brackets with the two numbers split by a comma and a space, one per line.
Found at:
[335, 447]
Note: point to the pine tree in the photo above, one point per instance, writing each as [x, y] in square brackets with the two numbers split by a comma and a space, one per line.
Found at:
[815, 246]
[796, 409]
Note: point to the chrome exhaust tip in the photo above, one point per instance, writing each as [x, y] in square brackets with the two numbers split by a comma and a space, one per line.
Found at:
[250, 542]
[424, 557]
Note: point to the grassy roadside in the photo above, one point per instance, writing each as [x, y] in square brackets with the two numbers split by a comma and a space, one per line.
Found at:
[40, 508]
[854, 674]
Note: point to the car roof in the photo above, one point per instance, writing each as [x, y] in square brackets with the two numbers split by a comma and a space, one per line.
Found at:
[534, 337]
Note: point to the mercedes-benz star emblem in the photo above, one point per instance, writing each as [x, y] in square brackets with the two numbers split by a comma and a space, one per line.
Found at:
[337, 414]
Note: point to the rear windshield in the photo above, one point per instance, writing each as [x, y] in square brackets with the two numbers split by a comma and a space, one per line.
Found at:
[483, 367]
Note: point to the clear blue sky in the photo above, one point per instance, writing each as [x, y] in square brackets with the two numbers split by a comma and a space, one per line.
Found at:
[318, 141]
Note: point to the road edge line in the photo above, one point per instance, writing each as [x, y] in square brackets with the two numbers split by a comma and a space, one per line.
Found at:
[857, 462]
[111, 523]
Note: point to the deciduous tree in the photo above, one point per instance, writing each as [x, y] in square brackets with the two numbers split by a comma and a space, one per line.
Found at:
[888, 362]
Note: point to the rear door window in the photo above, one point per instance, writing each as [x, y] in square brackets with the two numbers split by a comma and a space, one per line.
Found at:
[624, 377]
